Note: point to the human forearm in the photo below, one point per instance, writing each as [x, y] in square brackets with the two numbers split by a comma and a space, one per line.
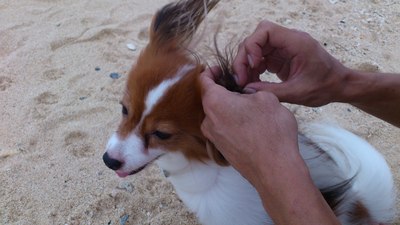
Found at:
[375, 93]
[292, 198]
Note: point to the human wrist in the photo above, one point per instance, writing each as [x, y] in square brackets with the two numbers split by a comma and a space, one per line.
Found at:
[360, 86]
[283, 168]
[377, 94]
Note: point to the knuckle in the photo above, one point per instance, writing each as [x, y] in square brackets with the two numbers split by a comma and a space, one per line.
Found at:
[306, 38]
[263, 24]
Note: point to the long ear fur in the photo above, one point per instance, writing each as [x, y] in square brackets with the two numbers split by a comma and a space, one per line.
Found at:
[175, 24]
[225, 61]
[226, 80]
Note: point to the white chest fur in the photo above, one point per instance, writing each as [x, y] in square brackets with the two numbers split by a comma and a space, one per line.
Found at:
[221, 196]
[217, 195]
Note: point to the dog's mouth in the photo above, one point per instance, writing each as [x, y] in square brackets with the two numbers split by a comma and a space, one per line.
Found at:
[125, 174]
[137, 170]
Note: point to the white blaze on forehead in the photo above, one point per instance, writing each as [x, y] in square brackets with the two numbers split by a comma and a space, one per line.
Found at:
[155, 94]
[132, 150]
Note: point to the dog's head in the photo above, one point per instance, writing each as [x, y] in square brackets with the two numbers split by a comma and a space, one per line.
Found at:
[161, 106]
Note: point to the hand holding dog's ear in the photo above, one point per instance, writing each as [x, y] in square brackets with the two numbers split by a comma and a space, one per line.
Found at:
[254, 126]
[310, 75]
[258, 137]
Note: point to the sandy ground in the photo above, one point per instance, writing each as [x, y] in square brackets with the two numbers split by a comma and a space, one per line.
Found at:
[57, 110]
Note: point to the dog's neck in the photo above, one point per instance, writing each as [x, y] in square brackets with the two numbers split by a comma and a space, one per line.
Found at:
[173, 163]
[189, 176]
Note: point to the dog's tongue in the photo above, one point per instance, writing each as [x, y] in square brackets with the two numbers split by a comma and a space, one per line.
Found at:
[121, 174]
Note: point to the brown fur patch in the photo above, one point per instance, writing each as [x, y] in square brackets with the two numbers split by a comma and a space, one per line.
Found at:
[360, 214]
[179, 112]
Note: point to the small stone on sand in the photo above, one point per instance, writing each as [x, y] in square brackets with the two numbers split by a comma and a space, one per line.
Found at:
[115, 75]
[123, 220]
[131, 46]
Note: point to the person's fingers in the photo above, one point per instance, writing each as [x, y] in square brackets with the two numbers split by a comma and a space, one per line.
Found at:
[208, 77]
[251, 55]
[266, 38]
[270, 47]
[212, 72]
[205, 128]
[212, 93]
[274, 63]
[241, 66]
[254, 46]
[283, 91]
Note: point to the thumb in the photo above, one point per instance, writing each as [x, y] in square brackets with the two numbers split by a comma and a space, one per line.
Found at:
[208, 77]
[283, 91]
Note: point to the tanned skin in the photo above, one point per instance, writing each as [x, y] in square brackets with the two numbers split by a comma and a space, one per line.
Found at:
[258, 135]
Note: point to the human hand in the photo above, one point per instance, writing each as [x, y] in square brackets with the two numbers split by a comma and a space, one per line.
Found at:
[258, 136]
[310, 75]
[255, 133]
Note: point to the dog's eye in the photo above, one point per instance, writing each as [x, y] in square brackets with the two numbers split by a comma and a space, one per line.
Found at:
[162, 135]
[124, 110]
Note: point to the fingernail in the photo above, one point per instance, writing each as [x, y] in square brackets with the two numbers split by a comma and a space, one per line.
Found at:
[251, 62]
[249, 90]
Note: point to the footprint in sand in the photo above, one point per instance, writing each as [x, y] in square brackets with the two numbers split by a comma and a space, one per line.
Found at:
[5, 83]
[75, 143]
[53, 74]
[46, 98]
[54, 45]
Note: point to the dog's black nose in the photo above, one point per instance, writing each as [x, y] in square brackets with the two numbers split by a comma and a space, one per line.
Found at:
[111, 163]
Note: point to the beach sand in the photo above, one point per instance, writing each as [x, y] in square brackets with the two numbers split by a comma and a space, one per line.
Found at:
[59, 104]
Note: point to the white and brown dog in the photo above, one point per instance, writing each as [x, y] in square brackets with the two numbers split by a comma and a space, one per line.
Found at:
[161, 117]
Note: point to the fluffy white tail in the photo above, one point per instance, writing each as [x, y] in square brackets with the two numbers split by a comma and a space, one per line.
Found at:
[371, 181]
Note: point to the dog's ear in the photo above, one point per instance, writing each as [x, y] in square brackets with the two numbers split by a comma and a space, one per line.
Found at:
[174, 25]
[216, 155]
